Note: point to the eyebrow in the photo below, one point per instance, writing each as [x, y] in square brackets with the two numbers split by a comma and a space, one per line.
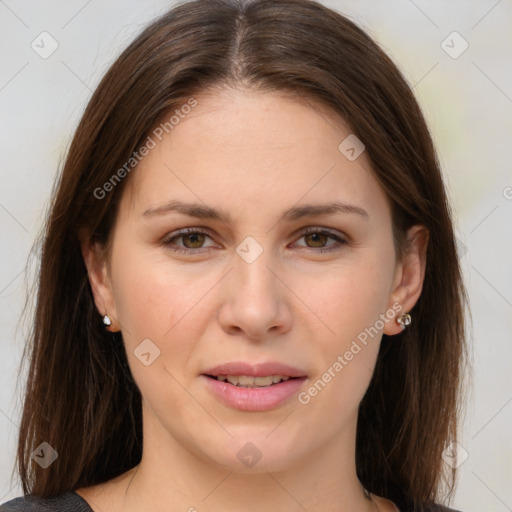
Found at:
[202, 211]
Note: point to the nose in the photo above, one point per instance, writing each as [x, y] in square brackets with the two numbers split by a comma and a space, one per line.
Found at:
[256, 301]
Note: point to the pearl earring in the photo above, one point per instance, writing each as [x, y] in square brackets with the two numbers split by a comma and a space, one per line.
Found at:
[107, 321]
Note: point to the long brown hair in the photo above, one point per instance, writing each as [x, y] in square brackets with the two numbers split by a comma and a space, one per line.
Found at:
[81, 397]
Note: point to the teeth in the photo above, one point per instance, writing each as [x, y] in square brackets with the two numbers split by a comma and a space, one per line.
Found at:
[246, 381]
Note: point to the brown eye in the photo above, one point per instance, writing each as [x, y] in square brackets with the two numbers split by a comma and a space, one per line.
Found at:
[317, 239]
[188, 240]
[195, 240]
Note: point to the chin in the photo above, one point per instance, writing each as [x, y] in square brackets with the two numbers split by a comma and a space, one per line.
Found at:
[255, 453]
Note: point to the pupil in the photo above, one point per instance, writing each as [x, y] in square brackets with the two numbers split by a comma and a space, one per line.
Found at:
[318, 238]
[196, 238]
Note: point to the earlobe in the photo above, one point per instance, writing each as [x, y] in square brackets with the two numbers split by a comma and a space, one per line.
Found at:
[95, 261]
[410, 278]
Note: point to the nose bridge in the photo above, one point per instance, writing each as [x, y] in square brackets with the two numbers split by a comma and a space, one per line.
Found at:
[255, 302]
[252, 271]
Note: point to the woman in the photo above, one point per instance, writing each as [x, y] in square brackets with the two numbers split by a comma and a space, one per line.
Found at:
[249, 294]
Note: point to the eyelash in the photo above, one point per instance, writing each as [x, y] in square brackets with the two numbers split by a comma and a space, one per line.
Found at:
[168, 240]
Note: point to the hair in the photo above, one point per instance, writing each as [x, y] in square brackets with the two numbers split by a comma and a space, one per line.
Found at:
[80, 395]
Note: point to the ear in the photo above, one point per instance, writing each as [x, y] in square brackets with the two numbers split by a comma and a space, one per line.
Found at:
[95, 261]
[409, 275]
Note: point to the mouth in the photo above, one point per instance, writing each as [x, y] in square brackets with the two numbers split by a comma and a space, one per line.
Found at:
[248, 387]
[265, 370]
[247, 381]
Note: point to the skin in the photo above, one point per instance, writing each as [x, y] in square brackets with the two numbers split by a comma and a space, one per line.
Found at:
[253, 155]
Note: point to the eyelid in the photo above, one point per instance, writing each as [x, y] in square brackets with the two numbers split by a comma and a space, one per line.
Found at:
[185, 231]
[323, 230]
[340, 238]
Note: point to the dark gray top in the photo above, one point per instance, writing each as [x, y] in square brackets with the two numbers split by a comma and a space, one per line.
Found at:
[68, 502]
[72, 502]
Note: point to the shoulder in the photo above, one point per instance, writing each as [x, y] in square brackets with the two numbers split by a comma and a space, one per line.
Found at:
[66, 502]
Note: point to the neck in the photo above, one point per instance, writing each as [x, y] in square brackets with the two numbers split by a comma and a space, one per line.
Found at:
[170, 473]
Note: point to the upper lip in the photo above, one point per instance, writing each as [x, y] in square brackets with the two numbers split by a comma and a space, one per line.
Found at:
[255, 370]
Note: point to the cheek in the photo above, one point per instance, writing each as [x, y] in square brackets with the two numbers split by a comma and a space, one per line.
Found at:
[142, 296]
[163, 303]
[151, 295]
[351, 303]
[347, 299]
[161, 313]
[347, 351]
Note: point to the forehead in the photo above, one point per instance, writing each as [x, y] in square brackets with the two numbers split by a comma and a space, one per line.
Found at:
[240, 147]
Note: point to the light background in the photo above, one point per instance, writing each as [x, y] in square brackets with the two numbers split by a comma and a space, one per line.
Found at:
[467, 102]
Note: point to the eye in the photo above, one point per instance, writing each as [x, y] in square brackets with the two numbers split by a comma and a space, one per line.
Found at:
[191, 239]
[318, 238]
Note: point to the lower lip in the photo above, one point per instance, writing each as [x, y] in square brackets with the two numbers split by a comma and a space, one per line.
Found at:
[254, 399]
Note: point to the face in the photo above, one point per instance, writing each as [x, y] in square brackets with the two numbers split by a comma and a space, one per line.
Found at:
[258, 281]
